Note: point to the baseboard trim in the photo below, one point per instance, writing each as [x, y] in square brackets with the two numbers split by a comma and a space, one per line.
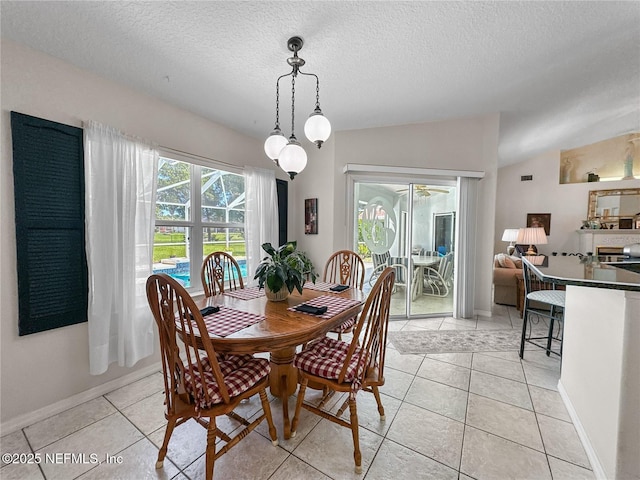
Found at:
[30, 418]
[483, 313]
[598, 470]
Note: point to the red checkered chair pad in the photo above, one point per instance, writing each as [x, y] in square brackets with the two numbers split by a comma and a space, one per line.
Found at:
[325, 358]
[240, 372]
[346, 327]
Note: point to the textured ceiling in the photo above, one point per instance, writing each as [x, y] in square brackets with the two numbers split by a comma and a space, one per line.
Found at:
[561, 74]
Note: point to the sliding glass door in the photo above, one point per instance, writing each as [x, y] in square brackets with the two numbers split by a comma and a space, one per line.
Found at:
[410, 227]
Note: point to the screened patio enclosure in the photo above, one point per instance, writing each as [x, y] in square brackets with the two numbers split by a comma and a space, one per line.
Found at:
[199, 210]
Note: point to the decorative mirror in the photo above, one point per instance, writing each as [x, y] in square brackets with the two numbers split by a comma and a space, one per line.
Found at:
[609, 206]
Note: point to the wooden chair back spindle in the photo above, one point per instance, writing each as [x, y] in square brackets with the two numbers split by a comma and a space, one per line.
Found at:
[220, 272]
[346, 268]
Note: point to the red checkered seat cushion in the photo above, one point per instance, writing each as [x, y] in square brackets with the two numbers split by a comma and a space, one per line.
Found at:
[325, 358]
[346, 326]
[241, 372]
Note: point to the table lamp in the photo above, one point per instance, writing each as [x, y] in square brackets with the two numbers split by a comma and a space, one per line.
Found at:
[531, 236]
[510, 235]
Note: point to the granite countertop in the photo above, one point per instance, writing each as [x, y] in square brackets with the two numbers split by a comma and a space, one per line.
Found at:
[589, 272]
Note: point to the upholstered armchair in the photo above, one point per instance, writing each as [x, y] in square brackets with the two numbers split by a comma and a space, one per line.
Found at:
[505, 268]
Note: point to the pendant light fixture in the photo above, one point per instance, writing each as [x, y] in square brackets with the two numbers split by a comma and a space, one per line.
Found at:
[290, 155]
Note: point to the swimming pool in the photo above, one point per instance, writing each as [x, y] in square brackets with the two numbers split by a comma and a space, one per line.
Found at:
[185, 279]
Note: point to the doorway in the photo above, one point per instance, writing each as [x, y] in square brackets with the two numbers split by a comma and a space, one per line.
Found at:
[411, 227]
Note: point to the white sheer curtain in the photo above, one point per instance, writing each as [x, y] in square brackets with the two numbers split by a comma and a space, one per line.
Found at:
[120, 183]
[261, 216]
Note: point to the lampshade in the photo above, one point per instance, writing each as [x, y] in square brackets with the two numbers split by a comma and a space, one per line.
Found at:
[274, 144]
[317, 128]
[510, 235]
[293, 158]
[532, 236]
[536, 259]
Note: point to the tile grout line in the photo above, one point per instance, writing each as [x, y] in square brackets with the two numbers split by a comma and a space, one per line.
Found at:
[403, 401]
[466, 414]
[144, 436]
[535, 413]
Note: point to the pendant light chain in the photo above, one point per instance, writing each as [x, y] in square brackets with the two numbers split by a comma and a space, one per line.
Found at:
[317, 87]
[278, 103]
[293, 105]
[278, 99]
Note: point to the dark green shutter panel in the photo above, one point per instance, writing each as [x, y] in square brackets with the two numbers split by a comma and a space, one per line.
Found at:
[48, 179]
[282, 189]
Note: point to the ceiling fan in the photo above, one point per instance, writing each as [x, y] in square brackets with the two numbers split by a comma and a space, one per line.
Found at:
[424, 190]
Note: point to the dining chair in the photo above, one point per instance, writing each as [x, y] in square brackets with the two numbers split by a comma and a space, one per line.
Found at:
[219, 273]
[198, 384]
[345, 267]
[438, 281]
[349, 367]
[542, 300]
[400, 264]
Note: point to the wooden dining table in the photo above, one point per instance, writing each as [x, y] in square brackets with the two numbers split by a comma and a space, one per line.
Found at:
[281, 331]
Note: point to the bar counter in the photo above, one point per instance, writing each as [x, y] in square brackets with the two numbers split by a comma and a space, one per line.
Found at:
[599, 272]
[600, 377]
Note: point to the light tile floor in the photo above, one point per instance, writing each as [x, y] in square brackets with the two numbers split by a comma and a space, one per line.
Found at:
[482, 415]
[421, 305]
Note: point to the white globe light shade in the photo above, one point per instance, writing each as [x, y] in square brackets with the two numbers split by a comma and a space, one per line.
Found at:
[292, 158]
[317, 128]
[274, 144]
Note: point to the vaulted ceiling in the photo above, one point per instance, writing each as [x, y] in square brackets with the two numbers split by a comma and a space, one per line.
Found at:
[561, 74]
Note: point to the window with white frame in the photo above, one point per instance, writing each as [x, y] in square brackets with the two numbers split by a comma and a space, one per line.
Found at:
[199, 210]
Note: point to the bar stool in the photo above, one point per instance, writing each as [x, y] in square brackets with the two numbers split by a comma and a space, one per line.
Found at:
[543, 300]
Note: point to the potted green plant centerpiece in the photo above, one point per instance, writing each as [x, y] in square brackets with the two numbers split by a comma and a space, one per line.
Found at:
[282, 270]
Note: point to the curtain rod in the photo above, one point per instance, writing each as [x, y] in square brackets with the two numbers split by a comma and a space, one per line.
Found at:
[189, 154]
[389, 169]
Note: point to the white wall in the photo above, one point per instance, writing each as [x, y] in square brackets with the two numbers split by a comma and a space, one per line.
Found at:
[316, 181]
[423, 212]
[567, 203]
[600, 381]
[41, 369]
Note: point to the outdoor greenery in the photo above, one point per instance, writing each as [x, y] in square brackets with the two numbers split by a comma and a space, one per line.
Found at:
[167, 245]
[222, 200]
[284, 267]
[161, 252]
[363, 250]
[221, 191]
[173, 190]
